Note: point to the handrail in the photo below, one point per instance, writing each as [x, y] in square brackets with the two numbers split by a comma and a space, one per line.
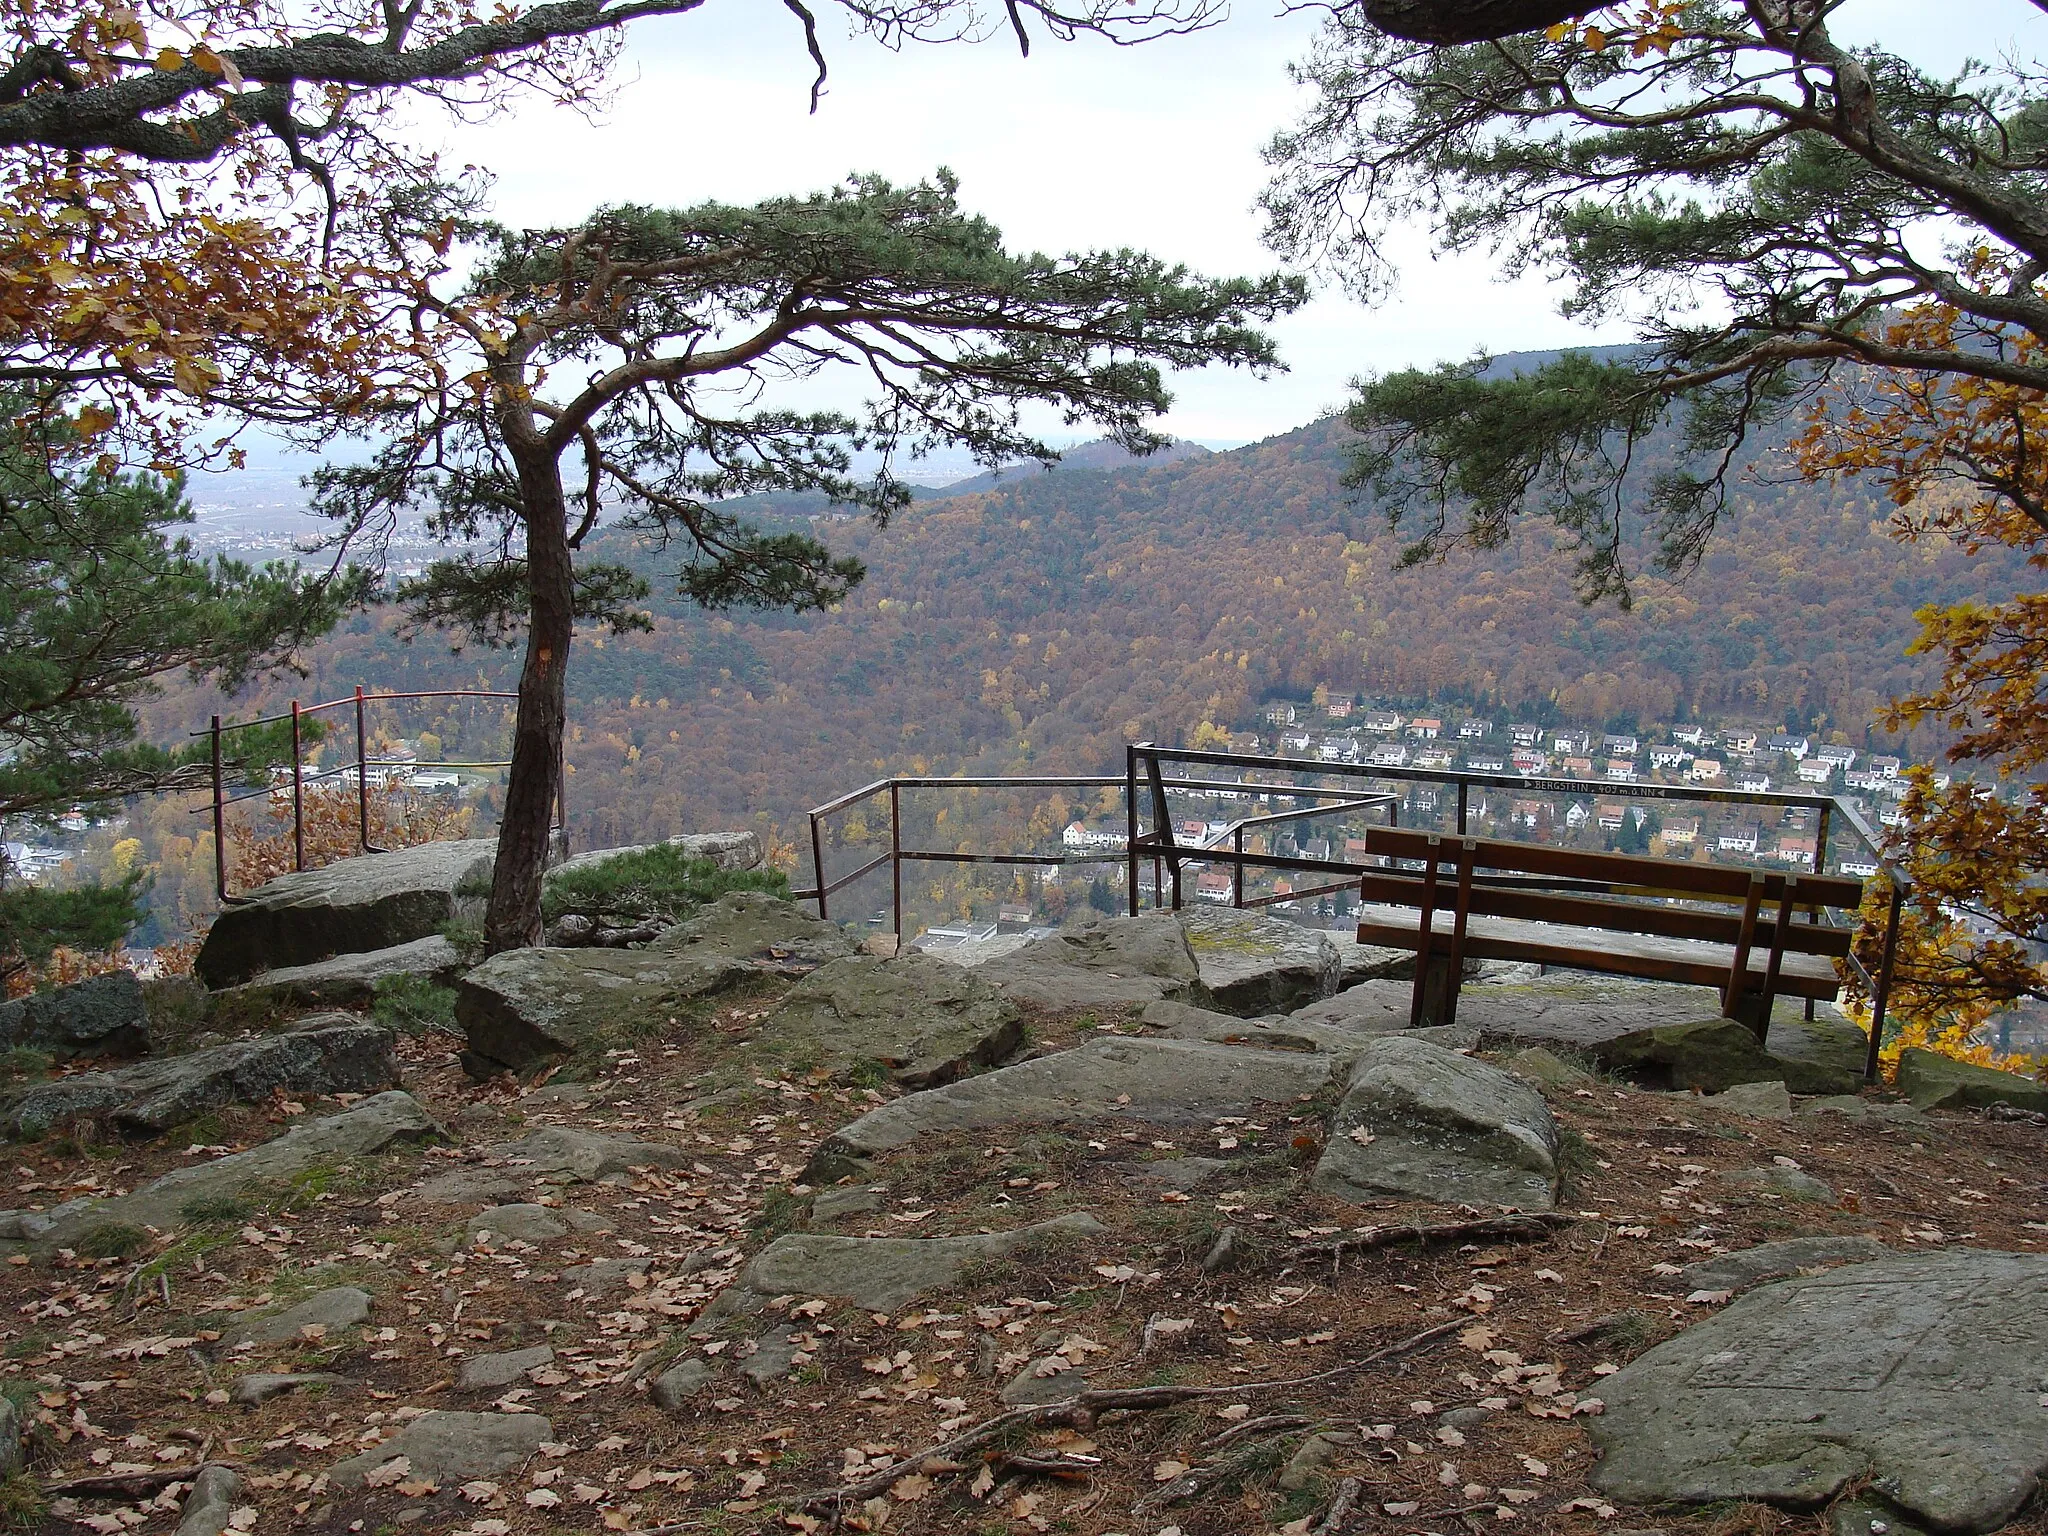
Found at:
[360, 765]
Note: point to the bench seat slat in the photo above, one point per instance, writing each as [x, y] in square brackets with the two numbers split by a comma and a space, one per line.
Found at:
[1651, 957]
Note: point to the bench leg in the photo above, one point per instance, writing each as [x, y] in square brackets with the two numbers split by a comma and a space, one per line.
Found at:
[1425, 936]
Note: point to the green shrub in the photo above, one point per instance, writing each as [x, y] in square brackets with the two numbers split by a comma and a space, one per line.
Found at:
[205, 1210]
[413, 1005]
[660, 883]
[113, 1240]
[23, 1061]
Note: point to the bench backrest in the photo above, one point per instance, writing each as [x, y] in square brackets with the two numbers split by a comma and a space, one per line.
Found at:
[1759, 893]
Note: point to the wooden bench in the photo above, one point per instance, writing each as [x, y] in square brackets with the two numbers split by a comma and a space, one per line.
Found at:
[1452, 898]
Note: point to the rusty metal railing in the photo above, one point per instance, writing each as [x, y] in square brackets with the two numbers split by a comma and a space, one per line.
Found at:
[360, 766]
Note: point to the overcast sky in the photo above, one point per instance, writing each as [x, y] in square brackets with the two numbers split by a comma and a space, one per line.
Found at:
[1080, 145]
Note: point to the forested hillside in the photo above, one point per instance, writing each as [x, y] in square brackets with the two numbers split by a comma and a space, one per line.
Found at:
[1046, 622]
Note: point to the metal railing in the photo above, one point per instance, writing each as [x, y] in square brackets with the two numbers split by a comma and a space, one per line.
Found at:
[1152, 839]
[360, 765]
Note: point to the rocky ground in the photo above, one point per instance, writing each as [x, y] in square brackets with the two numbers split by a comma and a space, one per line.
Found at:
[716, 1268]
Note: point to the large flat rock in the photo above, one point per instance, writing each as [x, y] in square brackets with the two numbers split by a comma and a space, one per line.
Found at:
[331, 1053]
[100, 1016]
[1747, 1268]
[879, 1273]
[376, 901]
[523, 1008]
[924, 1022]
[1934, 1081]
[1711, 1055]
[1424, 1123]
[555, 1154]
[362, 1130]
[350, 981]
[451, 1448]
[728, 850]
[1167, 1082]
[1923, 1376]
[1249, 963]
[749, 932]
[1109, 962]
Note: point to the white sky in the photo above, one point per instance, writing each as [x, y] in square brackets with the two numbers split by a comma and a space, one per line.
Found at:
[1080, 145]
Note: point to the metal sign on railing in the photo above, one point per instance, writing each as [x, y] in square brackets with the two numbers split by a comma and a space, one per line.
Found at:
[360, 766]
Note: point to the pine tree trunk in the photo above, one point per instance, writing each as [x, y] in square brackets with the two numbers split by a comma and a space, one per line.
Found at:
[513, 920]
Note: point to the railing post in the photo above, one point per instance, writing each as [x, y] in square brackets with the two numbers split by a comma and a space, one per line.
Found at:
[818, 863]
[220, 822]
[298, 796]
[895, 856]
[1131, 825]
[362, 777]
[1237, 872]
[1462, 787]
[1882, 995]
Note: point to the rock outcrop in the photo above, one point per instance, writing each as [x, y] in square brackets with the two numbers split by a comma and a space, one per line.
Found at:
[350, 981]
[377, 901]
[326, 1054]
[100, 1016]
[1921, 1377]
[1933, 1081]
[1711, 1056]
[1168, 1082]
[1424, 1123]
[922, 1021]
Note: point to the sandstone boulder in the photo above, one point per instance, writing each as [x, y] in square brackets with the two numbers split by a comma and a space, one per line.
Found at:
[1108, 962]
[350, 981]
[1747, 1268]
[1921, 1377]
[1168, 1082]
[878, 1274]
[376, 901]
[362, 1130]
[1711, 1056]
[329, 1053]
[1248, 963]
[100, 1016]
[1424, 1123]
[1934, 1081]
[923, 1021]
[452, 1448]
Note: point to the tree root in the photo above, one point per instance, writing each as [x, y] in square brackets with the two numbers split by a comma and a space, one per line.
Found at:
[1082, 1410]
[1526, 1227]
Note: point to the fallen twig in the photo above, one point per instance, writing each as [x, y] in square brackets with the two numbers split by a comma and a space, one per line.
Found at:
[1530, 1225]
[134, 1485]
[1084, 1408]
[1045, 1466]
[1340, 1506]
[1253, 1426]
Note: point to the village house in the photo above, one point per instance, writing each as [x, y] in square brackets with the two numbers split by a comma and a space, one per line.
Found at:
[1528, 761]
[1525, 735]
[1480, 762]
[1814, 770]
[1576, 815]
[1620, 771]
[1213, 885]
[1739, 740]
[1382, 722]
[1611, 815]
[1474, 730]
[1435, 757]
[1670, 757]
[1389, 754]
[1079, 839]
[1528, 813]
[1754, 783]
[1578, 767]
[1338, 709]
[1280, 714]
[1885, 767]
[1690, 735]
[1576, 743]
[1620, 746]
[1294, 741]
[1790, 746]
[1796, 848]
[1704, 770]
[1741, 839]
[1425, 728]
[1682, 832]
[1837, 757]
